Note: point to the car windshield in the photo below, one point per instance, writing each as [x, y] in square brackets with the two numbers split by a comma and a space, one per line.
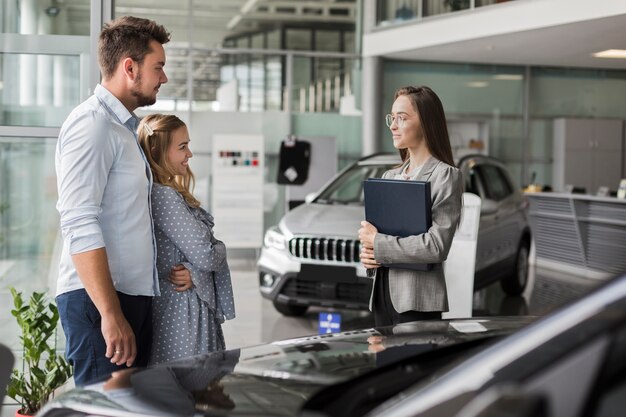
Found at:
[348, 188]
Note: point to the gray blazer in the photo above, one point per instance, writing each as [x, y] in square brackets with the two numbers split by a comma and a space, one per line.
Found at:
[423, 290]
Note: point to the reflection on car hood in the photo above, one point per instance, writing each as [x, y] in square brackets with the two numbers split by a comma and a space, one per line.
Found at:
[323, 220]
[274, 379]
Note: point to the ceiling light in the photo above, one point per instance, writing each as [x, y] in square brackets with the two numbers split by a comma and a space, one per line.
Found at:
[508, 77]
[477, 84]
[233, 22]
[611, 53]
[248, 6]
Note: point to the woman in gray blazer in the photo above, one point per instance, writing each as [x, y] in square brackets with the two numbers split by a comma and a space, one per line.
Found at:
[418, 126]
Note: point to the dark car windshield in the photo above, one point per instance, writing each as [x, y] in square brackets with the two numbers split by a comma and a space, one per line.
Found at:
[348, 188]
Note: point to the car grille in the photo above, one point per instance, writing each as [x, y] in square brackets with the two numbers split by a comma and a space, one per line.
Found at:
[341, 250]
[341, 291]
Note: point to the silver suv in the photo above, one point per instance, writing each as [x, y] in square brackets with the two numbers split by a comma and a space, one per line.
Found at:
[312, 257]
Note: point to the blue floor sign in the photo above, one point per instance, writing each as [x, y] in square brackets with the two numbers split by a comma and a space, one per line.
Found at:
[329, 323]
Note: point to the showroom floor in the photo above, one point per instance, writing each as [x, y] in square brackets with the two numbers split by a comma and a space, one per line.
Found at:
[258, 322]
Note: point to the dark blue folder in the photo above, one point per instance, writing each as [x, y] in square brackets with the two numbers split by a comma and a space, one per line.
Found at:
[399, 208]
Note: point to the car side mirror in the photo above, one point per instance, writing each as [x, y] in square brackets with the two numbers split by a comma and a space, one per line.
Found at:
[488, 206]
[310, 197]
[507, 400]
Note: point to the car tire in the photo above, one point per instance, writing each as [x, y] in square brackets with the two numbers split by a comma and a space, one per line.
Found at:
[290, 310]
[515, 282]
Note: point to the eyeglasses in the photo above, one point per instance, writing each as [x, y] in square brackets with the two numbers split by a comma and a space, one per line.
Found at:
[400, 119]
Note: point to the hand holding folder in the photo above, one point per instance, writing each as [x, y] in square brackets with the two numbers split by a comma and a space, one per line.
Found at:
[399, 208]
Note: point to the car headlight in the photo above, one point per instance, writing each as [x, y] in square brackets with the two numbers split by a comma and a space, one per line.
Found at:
[275, 239]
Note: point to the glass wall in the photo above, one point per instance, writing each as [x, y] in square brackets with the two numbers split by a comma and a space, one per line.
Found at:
[34, 17]
[319, 83]
[493, 95]
[390, 12]
[256, 78]
[569, 92]
[28, 217]
[42, 78]
[38, 89]
[256, 81]
[44, 60]
[259, 80]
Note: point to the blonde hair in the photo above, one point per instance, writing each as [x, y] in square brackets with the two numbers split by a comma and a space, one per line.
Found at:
[155, 135]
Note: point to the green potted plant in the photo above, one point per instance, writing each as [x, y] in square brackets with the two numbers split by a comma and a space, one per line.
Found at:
[43, 370]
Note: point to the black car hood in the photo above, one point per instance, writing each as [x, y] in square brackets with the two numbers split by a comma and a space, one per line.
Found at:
[274, 379]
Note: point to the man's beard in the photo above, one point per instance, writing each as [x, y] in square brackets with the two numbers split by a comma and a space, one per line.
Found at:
[142, 99]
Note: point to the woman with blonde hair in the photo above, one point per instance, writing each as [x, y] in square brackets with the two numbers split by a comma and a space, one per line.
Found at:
[187, 317]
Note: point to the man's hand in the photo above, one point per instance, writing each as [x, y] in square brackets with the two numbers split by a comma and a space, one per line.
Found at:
[181, 278]
[119, 338]
[93, 270]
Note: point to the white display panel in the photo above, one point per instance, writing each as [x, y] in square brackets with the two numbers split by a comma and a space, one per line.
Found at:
[459, 267]
[237, 189]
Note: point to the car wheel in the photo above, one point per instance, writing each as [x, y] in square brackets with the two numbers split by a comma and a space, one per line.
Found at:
[290, 309]
[515, 283]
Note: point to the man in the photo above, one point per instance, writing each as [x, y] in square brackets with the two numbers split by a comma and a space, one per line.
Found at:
[107, 274]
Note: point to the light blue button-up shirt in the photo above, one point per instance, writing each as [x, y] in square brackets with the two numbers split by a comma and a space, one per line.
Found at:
[104, 184]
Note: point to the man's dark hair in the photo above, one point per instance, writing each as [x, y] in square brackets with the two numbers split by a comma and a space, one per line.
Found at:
[127, 36]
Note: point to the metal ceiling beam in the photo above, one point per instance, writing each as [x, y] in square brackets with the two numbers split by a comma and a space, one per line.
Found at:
[178, 12]
[279, 11]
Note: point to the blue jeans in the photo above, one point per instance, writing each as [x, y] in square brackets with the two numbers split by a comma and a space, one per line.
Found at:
[85, 346]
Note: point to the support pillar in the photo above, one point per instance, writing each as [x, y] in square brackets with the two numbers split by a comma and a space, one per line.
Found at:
[371, 103]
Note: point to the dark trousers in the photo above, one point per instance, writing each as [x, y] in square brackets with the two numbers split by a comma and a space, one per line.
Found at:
[382, 307]
[85, 346]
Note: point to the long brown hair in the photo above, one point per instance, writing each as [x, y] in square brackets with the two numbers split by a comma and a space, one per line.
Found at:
[155, 136]
[433, 120]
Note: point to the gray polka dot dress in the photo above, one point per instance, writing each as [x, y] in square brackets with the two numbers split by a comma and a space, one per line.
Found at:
[188, 323]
